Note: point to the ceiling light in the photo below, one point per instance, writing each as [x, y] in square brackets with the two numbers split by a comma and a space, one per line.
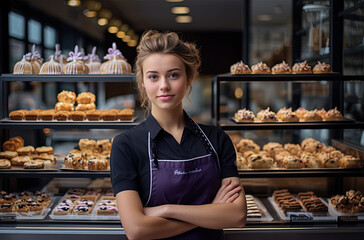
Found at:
[114, 25]
[264, 17]
[184, 19]
[91, 8]
[174, 0]
[180, 10]
[126, 38]
[120, 34]
[73, 3]
[104, 16]
[132, 43]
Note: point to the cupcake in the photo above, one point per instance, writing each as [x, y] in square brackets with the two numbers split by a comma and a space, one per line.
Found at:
[75, 63]
[93, 62]
[116, 64]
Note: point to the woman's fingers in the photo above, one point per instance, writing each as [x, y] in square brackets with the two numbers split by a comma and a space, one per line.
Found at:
[229, 194]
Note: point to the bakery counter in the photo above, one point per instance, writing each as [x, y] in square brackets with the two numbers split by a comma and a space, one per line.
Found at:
[40, 231]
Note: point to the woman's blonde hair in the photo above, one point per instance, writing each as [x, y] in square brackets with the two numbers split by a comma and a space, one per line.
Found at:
[167, 43]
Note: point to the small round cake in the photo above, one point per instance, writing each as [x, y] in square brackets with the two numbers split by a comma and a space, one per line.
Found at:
[51, 67]
[240, 68]
[300, 112]
[75, 63]
[333, 114]
[312, 116]
[66, 97]
[93, 62]
[116, 64]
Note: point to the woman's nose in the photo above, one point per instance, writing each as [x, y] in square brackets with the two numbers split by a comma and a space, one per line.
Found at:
[164, 84]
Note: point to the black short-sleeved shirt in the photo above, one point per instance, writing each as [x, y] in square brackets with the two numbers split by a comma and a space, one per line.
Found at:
[130, 160]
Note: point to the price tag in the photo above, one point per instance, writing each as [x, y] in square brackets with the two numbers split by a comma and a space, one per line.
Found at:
[300, 217]
[345, 219]
[8, 217]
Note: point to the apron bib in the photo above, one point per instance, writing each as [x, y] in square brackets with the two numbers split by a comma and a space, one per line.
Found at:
[186, 181]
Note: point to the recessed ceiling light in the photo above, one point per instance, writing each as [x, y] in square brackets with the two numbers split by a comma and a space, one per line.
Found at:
[126, 38]
[74, 3]
[102, 21]
[180, 10]
[132, 43]
[120, 34]
[183, 19]
[264, 17]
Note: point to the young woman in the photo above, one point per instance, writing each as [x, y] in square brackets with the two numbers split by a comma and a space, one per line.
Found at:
[173, 178]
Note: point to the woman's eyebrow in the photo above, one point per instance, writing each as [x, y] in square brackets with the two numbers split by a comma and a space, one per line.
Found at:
[174, 69]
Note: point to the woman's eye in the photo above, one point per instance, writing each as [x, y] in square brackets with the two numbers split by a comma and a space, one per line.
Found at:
[152, 77]
[173, 75]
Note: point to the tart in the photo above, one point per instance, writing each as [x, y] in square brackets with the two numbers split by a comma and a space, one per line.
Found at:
[281, 68]
[260, 68]
[301, 67]
[240, 68]
[322, 68]
[244, 115]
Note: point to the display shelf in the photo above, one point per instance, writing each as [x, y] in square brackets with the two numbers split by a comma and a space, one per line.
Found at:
[301, 173]
[350, 10]
[68, 77]
[69, 124]
[224, 78]
[227, 124]
[54, 174]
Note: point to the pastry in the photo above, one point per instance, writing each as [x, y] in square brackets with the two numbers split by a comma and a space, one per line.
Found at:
[292, 162]
[294, 149]
[321, 112]
[61, 115]
[74, 161]
[82, 210]
[86, 107]
[75, 63]
[289, 116]
[8, 154]
[10, 145]
[93, 115]
[311, 160]
[349, 161]
[322, 68]
[32, 114]
[97, 164]
[281, 111]
[267, 116]
[19, 141]
[20, 160]
[44, 149]
[247, 144]
[126, 114]
[116, 64]
[46, 115]
[272, 148]
[6, 208]
[87, 144]
[332, 163]
[240, 68]
[300, 112]
[281, 68]
[5, 164]
[244, 115]
[24, 151]
[24, 195]
[301, 67]
[311, 145]
[93, 62]
[107, 210]
[61, 106]
[260, 68]
[24, 67]
[46, 157]
[333, 114]
[241, 162]
[351, 202]
[103, 145]
[312, 116]
[108, 115]
[77, 115]
[62, 209]
[256, 161]
[51, 67]
[66, 97]
[85, 98]
[17, 115]
[34, 164]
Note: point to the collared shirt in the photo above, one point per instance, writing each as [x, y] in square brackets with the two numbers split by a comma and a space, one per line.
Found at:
[130, 158]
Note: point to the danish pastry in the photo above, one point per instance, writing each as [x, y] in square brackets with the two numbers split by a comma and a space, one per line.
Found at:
[240, 68]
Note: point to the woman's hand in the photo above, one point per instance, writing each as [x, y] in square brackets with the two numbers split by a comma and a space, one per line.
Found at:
[228, 192]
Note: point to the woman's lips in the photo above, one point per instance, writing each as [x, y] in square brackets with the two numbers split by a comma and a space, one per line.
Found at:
[165, 97]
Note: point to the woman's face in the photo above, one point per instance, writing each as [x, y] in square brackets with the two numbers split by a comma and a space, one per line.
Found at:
[165, 81]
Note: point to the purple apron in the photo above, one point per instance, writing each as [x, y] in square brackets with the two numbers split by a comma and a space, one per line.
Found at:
[186, 181]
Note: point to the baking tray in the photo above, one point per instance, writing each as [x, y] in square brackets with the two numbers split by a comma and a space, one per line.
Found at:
[283, 122]
[336, 213]
[266, 217]
[7, 120]
[328, 218]
[91, 216]
[63, 168]
[47, 168]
